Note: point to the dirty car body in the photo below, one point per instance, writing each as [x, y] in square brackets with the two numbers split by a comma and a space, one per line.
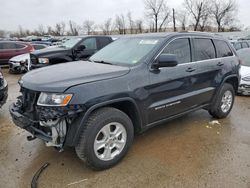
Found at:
[56, 107]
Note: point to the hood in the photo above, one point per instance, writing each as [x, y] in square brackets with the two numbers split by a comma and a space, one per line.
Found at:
[22, 57]
[48, 51]
[58, 78]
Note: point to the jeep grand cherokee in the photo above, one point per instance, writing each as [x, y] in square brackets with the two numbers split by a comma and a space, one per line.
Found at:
[127, 87]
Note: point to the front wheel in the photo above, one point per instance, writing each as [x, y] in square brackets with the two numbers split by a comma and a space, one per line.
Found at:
[224, 102]
[106, 138]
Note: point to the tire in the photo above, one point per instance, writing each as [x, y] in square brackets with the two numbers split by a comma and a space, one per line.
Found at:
[217, 109]
[94, 133]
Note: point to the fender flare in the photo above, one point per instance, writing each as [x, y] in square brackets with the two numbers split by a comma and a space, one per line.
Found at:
[83, 120]
[221, 84]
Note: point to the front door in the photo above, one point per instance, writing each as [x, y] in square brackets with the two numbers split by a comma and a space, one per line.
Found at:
[90, 48]
[171, 88]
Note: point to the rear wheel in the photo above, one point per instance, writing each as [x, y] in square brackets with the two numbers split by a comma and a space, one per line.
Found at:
[224, 102]
[106, 138]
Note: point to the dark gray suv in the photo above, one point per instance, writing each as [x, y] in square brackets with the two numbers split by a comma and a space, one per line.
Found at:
[127, 87]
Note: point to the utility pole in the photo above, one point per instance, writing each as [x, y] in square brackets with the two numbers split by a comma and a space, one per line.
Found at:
[174, 20]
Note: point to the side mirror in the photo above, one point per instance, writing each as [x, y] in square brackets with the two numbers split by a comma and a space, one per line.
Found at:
[165, 60]
[80, 48]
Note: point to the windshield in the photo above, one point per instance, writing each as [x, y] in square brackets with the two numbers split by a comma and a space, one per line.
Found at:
[244, 54]
[70, 43]
[126, 51]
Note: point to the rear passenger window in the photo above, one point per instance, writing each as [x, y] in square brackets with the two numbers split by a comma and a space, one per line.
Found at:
[222, 48]
[244, 45]
[103, 42]
[19, 46]
[203, 49]
[180, 48]
[8, 46]
[237, 46]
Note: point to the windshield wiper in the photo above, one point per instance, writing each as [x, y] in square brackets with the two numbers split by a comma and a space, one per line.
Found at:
[103, 62]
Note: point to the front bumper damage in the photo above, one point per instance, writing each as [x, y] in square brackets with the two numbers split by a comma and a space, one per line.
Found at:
[49, 124]
[244, 88]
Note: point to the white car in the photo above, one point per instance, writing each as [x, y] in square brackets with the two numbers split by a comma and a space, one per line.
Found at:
[20, 63]
[244, 87]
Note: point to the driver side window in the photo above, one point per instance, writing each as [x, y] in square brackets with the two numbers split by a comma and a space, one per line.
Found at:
[90, 44]
[180, 48]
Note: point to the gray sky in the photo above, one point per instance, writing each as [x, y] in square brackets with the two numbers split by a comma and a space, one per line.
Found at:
[31, 13]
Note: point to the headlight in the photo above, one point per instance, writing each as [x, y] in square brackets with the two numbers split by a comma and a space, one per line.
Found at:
[43, 60]
[247, 78]
[54, 99]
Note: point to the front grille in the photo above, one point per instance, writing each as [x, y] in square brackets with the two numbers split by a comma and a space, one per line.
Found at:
[29, 99]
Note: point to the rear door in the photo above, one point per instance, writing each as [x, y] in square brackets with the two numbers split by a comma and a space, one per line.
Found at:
[171, 88]
[225, 59]
[207, 68]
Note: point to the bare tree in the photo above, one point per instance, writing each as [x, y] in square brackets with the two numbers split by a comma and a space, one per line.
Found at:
[120, 24]
[50, 30]
[59, 29]
[204, 22]
[89, 26]
[74, 29]
[199, 10]
[223, 11]
[158, 11]
[20, 31]
[131, 22]
[106, 27]
[41, 30]
[138, 26]
[182, 19]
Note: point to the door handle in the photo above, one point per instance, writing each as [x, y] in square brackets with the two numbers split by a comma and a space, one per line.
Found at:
[190, 69]
[220, 64]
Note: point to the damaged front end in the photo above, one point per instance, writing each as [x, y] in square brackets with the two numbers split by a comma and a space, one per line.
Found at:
[49, 123]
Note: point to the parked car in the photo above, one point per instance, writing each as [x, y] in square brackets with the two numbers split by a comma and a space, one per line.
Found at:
[244, 87]
[21, 63]
[75, 49]
[9, 49]
[127, 87]
[3, 89]
[240, 44]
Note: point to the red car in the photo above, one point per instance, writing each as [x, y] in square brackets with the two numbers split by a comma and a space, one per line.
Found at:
[9, 49]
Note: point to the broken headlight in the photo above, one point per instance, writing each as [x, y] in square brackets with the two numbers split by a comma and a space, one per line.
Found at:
[54, 99]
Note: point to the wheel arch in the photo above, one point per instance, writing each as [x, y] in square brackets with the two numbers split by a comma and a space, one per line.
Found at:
[126, 105]
[232, 79]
